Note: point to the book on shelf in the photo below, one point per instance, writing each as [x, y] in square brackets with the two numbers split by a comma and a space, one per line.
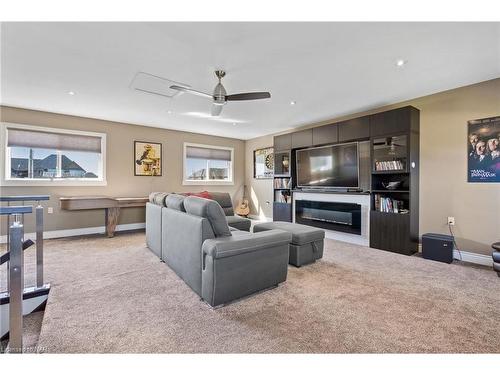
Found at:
[390, 165]
[283, 197]
[282, 183]
[386, 204]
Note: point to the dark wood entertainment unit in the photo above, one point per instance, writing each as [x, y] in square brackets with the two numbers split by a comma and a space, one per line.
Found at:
[394, 157]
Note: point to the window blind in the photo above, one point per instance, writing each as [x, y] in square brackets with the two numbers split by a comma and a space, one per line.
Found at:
[49, 140]
[193, 152]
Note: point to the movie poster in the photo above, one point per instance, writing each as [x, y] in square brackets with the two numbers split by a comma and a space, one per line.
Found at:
[484, 150]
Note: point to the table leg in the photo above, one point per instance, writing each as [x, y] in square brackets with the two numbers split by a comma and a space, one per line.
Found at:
[112, 215]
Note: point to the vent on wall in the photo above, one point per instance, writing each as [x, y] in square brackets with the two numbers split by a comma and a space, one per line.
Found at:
[156, 85]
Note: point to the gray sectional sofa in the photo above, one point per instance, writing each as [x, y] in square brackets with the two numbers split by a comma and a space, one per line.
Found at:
[221, 264]
[153, 217]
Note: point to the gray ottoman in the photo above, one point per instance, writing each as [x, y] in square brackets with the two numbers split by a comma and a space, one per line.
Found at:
[307, 242]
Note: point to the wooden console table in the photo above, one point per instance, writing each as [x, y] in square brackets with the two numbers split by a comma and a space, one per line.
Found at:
[111, 207]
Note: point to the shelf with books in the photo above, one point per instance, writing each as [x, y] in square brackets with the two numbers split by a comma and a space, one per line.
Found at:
[397, 165]
[392, 204]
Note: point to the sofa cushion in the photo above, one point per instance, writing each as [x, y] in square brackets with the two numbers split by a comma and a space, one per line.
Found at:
[211, 210]
[202, 194]
[239, 222]
[175, 202]
[301, 234]
[158, 198]
[224, 199]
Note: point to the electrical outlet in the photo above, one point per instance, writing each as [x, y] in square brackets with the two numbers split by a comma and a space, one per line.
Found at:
[451, 220]
[50, 210]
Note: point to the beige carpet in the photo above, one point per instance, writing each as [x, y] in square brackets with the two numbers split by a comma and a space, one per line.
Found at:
[114, 295]
[31, 332]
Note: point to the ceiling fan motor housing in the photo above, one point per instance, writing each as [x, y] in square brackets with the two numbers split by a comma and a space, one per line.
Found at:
[220, 94]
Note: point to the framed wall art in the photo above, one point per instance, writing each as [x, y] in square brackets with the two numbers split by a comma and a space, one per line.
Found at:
[483, 151]
[263, 163]
[147, 159]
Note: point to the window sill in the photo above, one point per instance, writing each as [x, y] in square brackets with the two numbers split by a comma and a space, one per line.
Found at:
[198, 182]
[53, 183]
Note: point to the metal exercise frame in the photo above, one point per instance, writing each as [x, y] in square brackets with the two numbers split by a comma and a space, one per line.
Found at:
[15, 260]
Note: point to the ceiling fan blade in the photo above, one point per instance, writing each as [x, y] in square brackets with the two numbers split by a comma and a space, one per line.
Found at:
[249, 96]
[191, 91]
[216, 110]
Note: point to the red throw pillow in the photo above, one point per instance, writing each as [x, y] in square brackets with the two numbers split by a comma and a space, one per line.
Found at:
[201, 194]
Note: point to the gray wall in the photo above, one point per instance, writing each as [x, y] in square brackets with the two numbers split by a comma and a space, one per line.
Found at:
[120, 167]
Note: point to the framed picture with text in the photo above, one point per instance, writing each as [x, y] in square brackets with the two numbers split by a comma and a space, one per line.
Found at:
[483, 151]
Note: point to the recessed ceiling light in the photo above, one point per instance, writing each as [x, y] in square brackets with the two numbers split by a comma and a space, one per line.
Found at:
[234, 123]
[293, 102]
[400, 63]
[71, 93]
[169, 112]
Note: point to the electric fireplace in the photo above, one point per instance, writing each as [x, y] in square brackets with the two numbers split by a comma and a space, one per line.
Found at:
[339, 216]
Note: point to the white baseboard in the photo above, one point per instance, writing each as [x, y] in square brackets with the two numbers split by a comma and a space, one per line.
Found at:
[467, 256]
[482, 259]
[78, 231]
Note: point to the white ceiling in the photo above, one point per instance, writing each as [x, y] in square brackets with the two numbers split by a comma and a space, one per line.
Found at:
[329, 69]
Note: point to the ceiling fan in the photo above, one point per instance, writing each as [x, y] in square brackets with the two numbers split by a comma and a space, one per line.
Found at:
[219, 97]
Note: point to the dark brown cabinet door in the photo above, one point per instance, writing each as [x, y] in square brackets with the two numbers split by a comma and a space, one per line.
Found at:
[390, 122]
[325, 134]
[302, 138]
[355, 129]
[282, 212]
[283, 142]
[391, 232]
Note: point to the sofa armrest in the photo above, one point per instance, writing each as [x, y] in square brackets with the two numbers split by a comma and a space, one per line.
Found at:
[244, 242]
[153, 228]
[242, 264]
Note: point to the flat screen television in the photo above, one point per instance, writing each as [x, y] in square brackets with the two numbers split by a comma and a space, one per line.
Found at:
[334, 166]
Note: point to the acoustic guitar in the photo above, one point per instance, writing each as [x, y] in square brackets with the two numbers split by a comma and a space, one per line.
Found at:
[243, 208]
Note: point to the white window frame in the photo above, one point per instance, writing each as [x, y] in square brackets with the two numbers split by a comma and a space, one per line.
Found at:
[6, 180]
[186, 181]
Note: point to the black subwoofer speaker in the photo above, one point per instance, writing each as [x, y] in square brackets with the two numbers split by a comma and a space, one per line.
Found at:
[437, 247]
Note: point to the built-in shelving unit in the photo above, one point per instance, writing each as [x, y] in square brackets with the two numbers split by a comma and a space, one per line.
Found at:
[394, 157]
[394, 181]
[282, 186]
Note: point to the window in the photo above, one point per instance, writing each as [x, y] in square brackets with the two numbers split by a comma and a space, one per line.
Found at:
[207, 164]
[45, 156]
